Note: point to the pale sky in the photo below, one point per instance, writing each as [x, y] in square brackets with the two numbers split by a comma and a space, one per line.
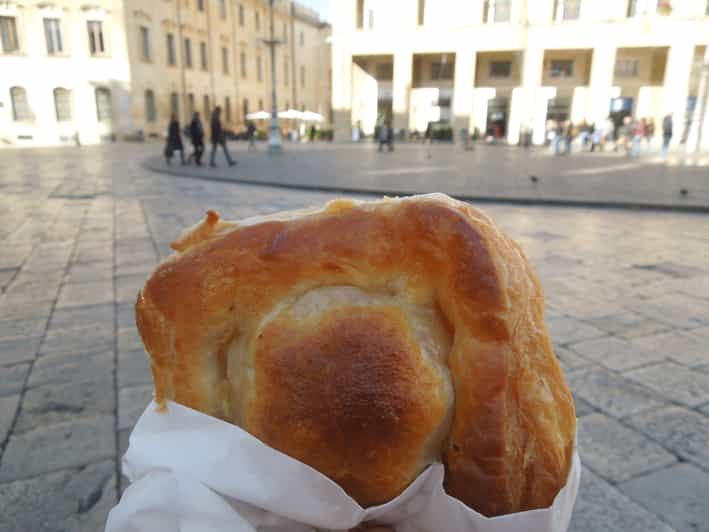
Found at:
[321, 6]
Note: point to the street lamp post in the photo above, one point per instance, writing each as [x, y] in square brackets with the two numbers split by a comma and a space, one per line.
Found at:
[274, 136]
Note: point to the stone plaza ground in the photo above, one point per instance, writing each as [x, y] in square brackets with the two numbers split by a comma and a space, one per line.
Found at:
[81, 228]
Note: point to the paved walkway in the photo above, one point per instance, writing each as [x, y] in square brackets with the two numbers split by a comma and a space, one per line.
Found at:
[489, 172]
[80, 229]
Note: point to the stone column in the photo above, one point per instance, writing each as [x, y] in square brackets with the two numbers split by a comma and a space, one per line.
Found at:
[676, 86]
[403, 71]
[532, 115]
[601, 82]
[341, 92]
[463, 89]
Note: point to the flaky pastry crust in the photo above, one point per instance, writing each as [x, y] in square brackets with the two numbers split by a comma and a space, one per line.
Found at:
[369, 340]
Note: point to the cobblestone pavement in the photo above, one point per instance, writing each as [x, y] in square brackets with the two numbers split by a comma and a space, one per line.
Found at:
[488, 172]
[628, 301]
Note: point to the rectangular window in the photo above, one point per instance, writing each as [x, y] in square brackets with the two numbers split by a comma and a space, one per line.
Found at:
[227, 109]
[500, 69]
[8, 34]
[171, 58]
[103, 105]
[200, 5]
[245, 107]
[370, 19]
[21, 111]
[302, 76]
[285, 72]
[359, 15]
[188, 52]
[205, 103]
[96, 43]
[561, 68]
[241, 15]
[257, 20]
[242, 64]
[225, 60]
[440, 70]
[145, 43]
[567, 10]
[222, 8]
[421, 11]
[259, 71]
[174, 104]
[706, 11]
[260, 104]
[203, 54]
[497, 11]
[150, 112]
[62, 104]
[302, 38]
[627, 68]
[190, 104]
[285, 33]
[53, 35]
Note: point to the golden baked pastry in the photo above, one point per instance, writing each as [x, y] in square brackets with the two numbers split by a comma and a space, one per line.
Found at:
[369, 340]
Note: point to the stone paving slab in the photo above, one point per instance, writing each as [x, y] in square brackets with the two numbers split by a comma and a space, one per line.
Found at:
[682, 431]
[616, 452]
[75, 500]
[678, 493]
[81, 229]
[617, 353]
[601, 507]
[675, 382]
[59, 446]
[611, 393]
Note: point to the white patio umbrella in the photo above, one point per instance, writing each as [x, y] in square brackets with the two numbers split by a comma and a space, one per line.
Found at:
[259, 115]
[291, 114]
[310, 116]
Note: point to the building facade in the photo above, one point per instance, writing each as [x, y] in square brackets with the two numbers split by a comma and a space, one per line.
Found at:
[503, 67]
[83, 72]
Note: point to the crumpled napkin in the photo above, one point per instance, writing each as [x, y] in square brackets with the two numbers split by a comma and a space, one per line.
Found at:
[194, 473]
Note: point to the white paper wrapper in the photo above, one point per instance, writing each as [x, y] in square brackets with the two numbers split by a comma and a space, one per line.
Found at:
[194, 473]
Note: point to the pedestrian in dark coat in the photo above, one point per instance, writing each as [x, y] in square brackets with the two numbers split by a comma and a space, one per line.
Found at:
[197, 137]
[218, 138]
[666, 134]
[174, 141]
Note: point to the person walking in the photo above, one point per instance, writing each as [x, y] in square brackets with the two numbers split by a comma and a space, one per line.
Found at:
[568, 136]
[197, 138]
[649, 134]
[174, 140]
[251, 135]
[383, 135]
[218, 138]
[666, 134]
[390, 138]
[639, 130]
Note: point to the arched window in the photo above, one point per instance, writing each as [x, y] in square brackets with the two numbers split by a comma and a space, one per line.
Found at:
[20, 105]
[103, 104]
[150, 112]
[62, 104]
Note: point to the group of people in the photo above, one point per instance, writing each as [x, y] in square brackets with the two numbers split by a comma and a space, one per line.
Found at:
[629, 135]
[195, 131]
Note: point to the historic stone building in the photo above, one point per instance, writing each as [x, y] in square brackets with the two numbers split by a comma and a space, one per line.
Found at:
[505, 66]
[76, 71]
